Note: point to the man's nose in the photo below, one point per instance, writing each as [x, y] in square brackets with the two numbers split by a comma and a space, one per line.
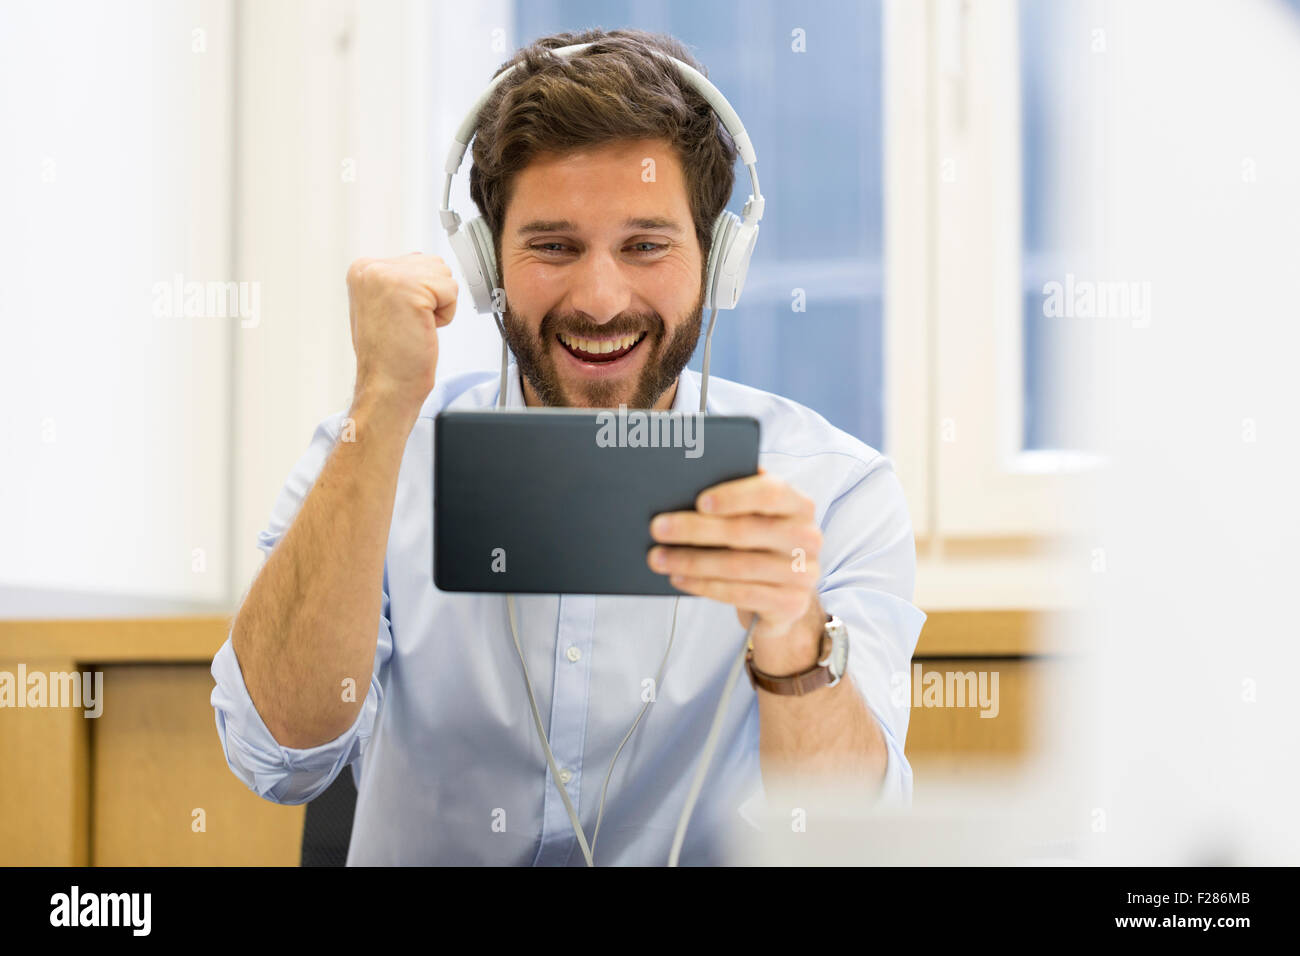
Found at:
[600, 289]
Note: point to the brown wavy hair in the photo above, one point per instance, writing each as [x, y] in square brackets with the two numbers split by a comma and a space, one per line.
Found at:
[614, 90]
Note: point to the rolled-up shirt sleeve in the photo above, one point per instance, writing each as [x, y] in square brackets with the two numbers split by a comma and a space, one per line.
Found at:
[281, 774]
[869, 557]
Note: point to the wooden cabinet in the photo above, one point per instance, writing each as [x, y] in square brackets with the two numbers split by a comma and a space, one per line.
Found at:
[122, 789]
[974, 663]
[161, 792]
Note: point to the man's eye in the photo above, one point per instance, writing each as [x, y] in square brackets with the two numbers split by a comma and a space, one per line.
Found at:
[640, 248]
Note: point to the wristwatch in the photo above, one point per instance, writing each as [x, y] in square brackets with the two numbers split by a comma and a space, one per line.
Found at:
[826, 672]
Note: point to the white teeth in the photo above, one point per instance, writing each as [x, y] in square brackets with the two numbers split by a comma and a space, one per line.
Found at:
[593, 347]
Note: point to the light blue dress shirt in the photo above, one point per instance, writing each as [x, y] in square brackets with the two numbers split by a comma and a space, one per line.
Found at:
[448, 766]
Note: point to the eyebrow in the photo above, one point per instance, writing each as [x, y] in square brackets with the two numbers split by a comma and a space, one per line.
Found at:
[564, 225]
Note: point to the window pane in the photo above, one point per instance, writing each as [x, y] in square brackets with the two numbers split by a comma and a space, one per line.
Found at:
[1062, 52]
[815, 120]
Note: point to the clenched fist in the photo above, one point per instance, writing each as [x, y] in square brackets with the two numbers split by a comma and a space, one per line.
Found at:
[395, 307]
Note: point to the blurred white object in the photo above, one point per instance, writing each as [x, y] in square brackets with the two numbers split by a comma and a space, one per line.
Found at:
[994, 821]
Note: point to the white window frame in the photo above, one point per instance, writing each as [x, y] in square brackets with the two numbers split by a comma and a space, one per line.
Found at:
[954, 333]
[907, 302]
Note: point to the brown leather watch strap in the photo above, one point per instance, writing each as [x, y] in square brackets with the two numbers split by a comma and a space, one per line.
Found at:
[815, 678]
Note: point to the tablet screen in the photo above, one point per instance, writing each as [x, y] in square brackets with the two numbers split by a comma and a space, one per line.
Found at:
[559, 501]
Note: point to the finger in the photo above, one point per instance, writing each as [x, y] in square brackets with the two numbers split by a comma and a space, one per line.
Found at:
[777, 603]
[756, 494]
[732, 565]
[446, 290]
[752, 532]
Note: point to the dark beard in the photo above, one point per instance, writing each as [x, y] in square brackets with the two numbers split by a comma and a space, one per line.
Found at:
[537, 364]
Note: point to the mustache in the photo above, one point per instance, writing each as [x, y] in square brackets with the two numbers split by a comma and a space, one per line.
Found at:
[630, 324]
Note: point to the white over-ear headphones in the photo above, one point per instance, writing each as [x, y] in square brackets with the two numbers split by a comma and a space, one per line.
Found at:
[733, 236]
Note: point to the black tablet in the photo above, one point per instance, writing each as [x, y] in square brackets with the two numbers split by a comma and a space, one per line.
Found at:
[559, 501]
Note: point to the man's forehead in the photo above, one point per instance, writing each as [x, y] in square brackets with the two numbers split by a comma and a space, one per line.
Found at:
[612, 167]
[582, 188]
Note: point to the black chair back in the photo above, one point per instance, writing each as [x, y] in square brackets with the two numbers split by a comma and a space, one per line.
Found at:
[327, 829]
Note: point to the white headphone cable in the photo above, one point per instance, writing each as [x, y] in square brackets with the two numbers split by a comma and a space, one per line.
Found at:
[600, 812]
[588, 852]
[704, 366]
[710, 744]
[505, 360]
[541, 735]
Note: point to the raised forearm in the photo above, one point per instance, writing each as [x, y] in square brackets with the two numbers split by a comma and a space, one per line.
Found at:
[310, 620]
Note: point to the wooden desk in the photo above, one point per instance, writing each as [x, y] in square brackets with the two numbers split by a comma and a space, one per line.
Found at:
[123, 789]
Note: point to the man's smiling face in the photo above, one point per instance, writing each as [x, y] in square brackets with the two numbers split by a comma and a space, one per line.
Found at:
[603, 276]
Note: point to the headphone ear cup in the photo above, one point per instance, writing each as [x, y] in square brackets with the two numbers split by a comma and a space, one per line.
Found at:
[482, 236]
[477, 262]
[725, 228]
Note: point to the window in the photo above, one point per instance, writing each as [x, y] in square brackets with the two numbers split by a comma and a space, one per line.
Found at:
[919, 102]
[1062, 58]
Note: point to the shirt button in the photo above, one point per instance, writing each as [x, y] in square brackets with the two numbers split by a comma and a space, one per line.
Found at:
[573, 653]
[565, 776]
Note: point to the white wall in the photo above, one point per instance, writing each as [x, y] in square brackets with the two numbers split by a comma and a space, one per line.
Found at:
[114, 175]
[345, 112]
[270, 147]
